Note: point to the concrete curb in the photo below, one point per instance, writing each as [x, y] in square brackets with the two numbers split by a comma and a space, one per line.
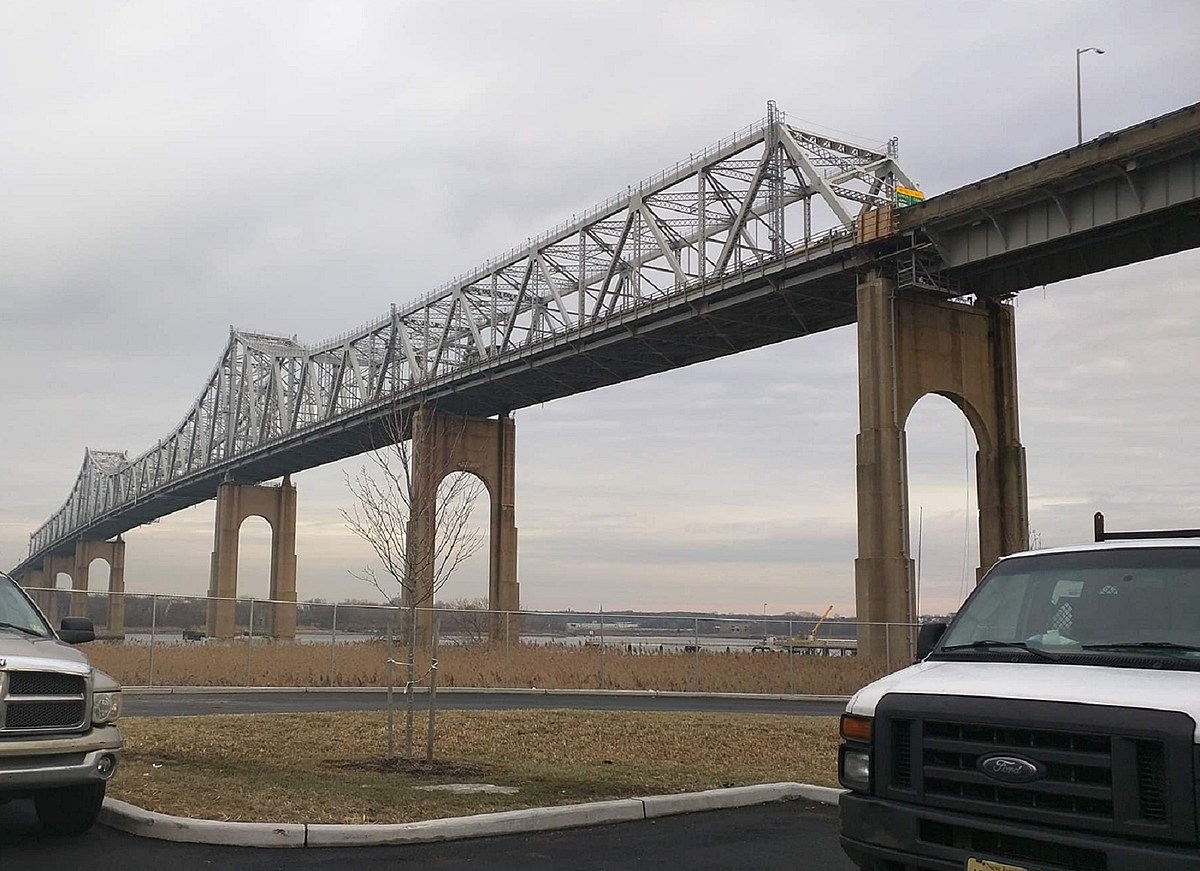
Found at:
[480, 825]
[515, 691]
[129, 818]
[737, 796]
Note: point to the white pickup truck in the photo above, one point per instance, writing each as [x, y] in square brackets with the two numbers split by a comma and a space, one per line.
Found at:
[59, 743]
[1054, 724]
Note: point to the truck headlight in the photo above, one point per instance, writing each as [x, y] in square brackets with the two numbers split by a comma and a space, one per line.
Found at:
[854, 756]
[106, 707]
[855, 769]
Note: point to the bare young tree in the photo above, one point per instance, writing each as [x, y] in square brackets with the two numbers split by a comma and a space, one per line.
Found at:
[398, 507]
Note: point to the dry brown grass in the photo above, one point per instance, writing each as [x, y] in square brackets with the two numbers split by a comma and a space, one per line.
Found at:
[523, 665]
[288, 768]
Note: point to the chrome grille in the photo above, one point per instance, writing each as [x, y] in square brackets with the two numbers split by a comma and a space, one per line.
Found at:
[45, 683]
[42, 701]
[43, 715]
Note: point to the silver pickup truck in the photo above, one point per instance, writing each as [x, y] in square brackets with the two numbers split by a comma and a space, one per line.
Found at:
[59, 743]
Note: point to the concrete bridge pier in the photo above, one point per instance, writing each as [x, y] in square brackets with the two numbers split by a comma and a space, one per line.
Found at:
[35, 583]
[441, 445]
[76, 567]
[910, 345]
[113, 552]
[53, 567]
[276, 505]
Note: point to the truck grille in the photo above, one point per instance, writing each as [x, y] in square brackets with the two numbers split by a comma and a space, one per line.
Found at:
[1103, 769]
[1078, 768]
[45, 683]
[42, 701]
[1152, 779]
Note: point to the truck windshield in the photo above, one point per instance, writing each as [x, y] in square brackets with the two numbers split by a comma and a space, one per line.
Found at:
[17, 614]
[1143, 601]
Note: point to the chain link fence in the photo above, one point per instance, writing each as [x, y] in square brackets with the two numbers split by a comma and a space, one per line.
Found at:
[165, 642]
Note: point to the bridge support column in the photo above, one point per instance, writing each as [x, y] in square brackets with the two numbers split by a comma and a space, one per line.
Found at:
[1003, 490]
[276, 505]
[34, 582]
[112, 552]
[116, 588]
[443, 444]
[79, 581]
[910, 345]
[55, 566]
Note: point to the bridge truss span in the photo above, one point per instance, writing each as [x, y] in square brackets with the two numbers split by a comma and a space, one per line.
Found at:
[771, 193]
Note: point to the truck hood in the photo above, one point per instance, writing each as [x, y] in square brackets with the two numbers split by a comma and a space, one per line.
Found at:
[25, 652]
[1042, 681]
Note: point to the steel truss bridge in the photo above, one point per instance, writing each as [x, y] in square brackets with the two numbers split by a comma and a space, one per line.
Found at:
[762, 237]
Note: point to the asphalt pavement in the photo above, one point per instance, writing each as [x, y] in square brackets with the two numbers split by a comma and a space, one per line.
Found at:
[784, 835]
[795, 834]
[184, 704]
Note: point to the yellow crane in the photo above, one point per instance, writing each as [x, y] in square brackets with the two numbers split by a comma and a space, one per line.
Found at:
[812, 636]
[802, 642]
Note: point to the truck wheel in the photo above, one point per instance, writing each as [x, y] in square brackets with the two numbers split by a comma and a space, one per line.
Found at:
[69, 810]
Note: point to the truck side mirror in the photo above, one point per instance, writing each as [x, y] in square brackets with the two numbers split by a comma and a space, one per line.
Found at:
[928, 637]
[76, 630]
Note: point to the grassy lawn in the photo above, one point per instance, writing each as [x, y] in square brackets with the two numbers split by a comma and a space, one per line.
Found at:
[294, 767]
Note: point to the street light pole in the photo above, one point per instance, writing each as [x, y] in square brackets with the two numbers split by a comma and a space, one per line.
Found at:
[1079, 52]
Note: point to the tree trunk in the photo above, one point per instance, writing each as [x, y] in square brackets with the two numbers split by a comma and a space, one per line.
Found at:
[391, 681]
[433, 653]
[412, 679]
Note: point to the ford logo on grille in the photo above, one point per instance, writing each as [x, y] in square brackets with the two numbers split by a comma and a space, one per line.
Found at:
[1011, 769]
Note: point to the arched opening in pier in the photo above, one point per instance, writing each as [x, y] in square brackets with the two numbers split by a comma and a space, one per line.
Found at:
[99, 572]
[463, 545]
[253, 575]
[58, 600]
[943, 504]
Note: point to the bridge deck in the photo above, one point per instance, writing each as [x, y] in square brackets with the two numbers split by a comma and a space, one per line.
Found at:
[1119, 199]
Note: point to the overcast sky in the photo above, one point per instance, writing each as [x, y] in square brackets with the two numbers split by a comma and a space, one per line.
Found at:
[169, 169]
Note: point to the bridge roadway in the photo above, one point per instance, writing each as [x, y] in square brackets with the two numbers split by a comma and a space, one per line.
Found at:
[1122, 198]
